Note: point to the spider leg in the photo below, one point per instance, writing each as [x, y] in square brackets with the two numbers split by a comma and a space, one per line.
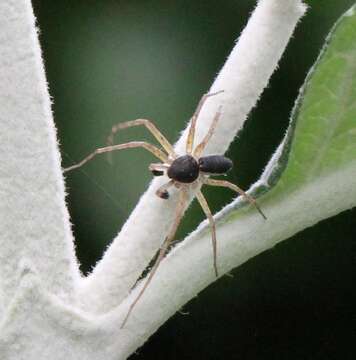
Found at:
[150, 127]
[178, 216]
[162, 190]
[203, 203]
[235, 188]
[190, 139]
[200, 148]
[133, 144]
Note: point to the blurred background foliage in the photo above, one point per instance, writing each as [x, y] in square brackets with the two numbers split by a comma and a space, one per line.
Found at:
[114, 60]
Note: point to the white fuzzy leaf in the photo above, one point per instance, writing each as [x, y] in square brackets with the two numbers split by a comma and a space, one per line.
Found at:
[34, 222]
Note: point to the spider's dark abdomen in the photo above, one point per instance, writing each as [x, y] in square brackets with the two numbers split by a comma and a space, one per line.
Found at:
[215, 164]
[184, 169]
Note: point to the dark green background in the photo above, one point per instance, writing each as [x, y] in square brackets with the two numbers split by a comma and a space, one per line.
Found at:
[109, 61]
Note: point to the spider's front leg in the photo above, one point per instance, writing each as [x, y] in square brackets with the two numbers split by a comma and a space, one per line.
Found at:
[204, 205]
[133, 144]
[150, 126]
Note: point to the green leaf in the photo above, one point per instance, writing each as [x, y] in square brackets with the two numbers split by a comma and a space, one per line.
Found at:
[321, 138]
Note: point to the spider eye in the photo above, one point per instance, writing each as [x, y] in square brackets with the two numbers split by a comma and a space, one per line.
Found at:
[157, 172]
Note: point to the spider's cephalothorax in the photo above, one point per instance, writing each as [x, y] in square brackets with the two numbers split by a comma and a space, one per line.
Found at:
[183, 171]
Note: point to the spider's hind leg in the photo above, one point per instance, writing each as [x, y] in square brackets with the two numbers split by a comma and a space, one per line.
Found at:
[235, 188]
[203, 203]
[178, 217]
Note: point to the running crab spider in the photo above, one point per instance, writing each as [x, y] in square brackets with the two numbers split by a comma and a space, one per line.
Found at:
[191, 169]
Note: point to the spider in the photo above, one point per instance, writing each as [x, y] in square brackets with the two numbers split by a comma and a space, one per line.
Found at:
[189, 170]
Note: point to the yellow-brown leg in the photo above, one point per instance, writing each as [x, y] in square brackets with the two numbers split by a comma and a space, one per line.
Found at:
[150, 127]
[200, 148]
[133, 144]
[203, 203]
[178, 216]
[190, 139]
[235, 188]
